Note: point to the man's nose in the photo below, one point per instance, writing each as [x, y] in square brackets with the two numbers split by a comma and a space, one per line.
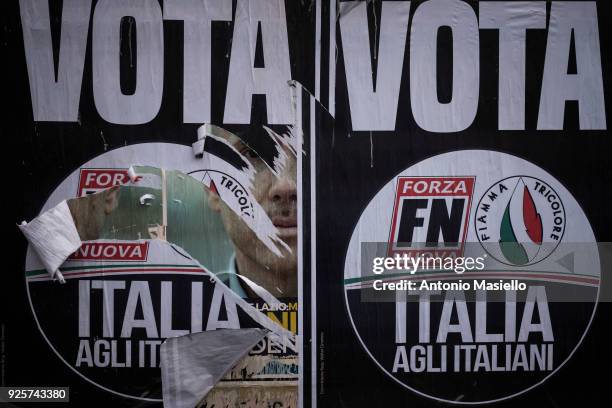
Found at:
[284, 187]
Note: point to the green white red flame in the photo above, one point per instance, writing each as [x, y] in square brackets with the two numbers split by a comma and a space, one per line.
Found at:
[513, 250]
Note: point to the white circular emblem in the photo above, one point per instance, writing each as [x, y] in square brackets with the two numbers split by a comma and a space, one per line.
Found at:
[462, 346]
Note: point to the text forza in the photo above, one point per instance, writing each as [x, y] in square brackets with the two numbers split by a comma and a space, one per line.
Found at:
[373, 101]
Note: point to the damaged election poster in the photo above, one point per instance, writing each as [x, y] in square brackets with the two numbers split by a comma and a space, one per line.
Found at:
[296, 204]
[169, 227]
[160, 259]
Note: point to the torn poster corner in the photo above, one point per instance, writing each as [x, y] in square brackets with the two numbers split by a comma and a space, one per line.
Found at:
[191, 365]
[53, 236]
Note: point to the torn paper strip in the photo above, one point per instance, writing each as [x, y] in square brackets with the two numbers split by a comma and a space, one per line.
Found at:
[231, 175]
[54, 236]
[60, 231]
[191, 365]
[285, 146]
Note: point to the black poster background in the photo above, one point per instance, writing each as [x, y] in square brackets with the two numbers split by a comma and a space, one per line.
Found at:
[348, 179]
[43, 153]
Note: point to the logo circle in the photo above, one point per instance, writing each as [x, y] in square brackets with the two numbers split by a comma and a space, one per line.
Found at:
[444, 346]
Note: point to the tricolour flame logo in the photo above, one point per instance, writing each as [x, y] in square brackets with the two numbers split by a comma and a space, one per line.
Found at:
[513, 250]
[531, 218]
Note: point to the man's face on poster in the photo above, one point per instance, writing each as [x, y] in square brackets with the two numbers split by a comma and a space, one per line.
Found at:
[277, 195]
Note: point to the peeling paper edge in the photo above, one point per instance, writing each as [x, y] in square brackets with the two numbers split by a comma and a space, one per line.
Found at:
[287, 140]
[170, 347]
[65, 240]
[278, 332]
[260, 223]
